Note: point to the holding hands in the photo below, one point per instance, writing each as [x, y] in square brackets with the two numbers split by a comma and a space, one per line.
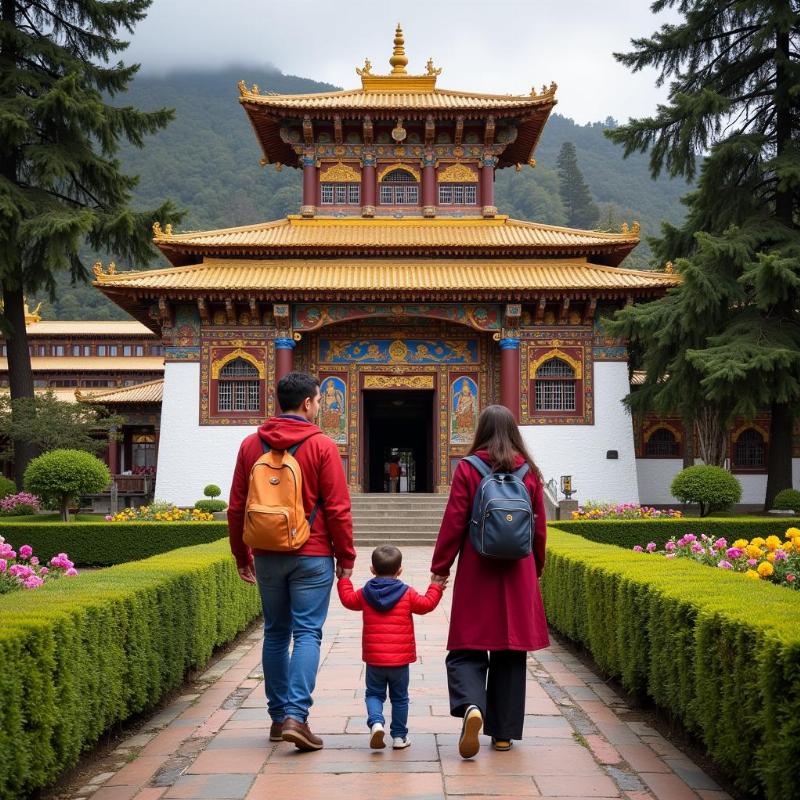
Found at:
[440, 579]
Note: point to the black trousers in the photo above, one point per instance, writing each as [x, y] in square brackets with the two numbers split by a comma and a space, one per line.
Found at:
[493, 681]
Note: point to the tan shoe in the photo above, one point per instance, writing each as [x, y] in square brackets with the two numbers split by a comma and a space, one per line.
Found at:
[299, 734]
[502, 745]
[469, 744]
[275, 731]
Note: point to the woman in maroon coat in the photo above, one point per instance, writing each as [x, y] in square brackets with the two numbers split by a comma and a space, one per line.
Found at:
[497, 614]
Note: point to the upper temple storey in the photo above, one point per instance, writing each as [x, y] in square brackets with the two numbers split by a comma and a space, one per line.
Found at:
[398, 144]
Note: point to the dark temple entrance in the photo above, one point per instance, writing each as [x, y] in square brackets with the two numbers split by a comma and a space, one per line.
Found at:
[398, 426]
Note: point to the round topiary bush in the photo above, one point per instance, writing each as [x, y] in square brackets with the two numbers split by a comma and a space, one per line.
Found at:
[211, 505]
[788, 499]
[712, 488]
[7, 487]
[212, 490]
[63, 475]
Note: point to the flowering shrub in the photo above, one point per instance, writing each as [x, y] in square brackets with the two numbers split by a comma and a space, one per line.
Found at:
[159, 511]
[594, 510]
[760, 559]
[22, 570]
[17, 505]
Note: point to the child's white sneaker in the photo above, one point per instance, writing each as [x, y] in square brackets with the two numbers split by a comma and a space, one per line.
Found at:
[376, 739]
[400, 742]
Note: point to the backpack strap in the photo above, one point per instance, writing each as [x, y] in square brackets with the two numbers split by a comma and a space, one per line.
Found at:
[292, 450]
[479, 464]
[522, 471]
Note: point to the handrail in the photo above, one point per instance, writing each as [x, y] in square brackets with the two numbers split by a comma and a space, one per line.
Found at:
[551, 498]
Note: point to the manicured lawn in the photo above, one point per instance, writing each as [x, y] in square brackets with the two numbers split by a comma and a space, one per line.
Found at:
[54, 517]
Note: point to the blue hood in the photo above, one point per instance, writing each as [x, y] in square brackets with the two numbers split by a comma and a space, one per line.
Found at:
[383, 594]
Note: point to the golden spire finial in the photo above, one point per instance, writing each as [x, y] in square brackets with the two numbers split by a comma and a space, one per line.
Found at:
[399, 60]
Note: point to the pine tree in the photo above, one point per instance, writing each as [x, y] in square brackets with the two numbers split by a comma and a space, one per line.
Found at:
[61, 185]
[735, 79]
[582, 211]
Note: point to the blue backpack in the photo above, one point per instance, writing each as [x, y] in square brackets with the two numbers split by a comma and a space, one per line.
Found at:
[501, 525]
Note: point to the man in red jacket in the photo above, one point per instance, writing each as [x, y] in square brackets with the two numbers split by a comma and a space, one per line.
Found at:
[295, 588]
[388, 644]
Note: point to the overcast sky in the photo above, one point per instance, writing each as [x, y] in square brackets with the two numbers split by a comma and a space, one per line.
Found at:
[499, 46]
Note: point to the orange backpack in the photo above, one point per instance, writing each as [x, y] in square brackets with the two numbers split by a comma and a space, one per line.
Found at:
[274, 515]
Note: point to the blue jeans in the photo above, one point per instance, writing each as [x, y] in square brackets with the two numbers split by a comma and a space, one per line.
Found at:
[396, 679]
[295, 593]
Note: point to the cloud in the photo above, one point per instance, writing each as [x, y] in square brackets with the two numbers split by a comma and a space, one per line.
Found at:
[502, 47]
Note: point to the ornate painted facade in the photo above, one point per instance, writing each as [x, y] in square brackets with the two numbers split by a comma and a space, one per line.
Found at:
[402, 287]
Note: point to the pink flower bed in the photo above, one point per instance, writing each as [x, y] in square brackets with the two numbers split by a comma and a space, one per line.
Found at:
[23, 570]
[593, 510]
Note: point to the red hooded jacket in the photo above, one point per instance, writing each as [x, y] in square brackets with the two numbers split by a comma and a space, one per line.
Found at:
[387, 638]
[324, 482]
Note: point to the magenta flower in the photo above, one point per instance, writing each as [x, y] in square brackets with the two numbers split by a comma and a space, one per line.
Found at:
[109, 517]
[71, 572]
[3, 565]
[637, 548]
[33, 582]
[26, 551]
[651, 546]
[734, 552]
[780, 555]
[698, 548]
[725, 564]
[751, 562]
[44, 571]
[720, 544]
[35, 561]
[669, 546]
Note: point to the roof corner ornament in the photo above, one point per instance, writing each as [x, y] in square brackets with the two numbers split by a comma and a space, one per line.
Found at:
[158, 233]
[255, 90]
[636, 228]
[431, 70]
[624, 228]
[97, 268]
[366, 69]
[242, 88]
[669, 268]
[399, 60]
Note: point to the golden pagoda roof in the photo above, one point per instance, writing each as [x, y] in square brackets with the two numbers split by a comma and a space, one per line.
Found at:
[409, 235]
[89, 328]
[383, 96]
[148, 392]
[374, 278]
[93, 363]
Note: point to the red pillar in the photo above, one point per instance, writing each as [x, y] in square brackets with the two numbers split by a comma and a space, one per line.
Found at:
[309, 186]
[509, 375]
[113, 452]
[368, 186]
[428, 186]
[487, 187]
[284, 360]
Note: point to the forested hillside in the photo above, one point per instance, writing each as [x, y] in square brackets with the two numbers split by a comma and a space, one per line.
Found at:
[207, 162]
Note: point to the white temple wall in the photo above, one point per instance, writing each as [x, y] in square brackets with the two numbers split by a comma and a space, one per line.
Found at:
[580, 450]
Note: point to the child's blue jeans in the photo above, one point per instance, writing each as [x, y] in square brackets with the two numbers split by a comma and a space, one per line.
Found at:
[396, 680]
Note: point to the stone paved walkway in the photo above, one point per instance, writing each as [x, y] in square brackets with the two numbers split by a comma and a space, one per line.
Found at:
[214, 745]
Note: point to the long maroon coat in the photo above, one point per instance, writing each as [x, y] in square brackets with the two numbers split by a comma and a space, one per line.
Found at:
[497, 605]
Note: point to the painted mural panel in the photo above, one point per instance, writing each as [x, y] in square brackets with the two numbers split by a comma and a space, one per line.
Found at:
[333, 408]
[398, 351]
[464, 408]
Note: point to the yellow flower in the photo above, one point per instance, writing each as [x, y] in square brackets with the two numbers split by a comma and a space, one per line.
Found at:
[771, 558]
[773, 542]
[740, 543]
[753, 551]
[788, 545]
[758, 541]
[751, 573]
[765, 569]
[792, 533]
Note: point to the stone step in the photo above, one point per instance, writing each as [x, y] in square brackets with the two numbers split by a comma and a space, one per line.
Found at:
[379, 506]
[374, 541]
[384, 516]
[399, 524]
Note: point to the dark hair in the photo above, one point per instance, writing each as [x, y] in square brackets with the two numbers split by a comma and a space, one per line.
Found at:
[294, 388]
[386, 560]
[498, 434]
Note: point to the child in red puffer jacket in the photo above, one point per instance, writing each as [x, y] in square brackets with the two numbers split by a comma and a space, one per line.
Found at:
[388, 644]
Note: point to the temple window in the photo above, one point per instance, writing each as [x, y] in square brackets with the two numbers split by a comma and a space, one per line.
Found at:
[458, 194]
[341, 194]
[239, 387]
[661, 443]
[555, 386]
[399, 188]
[749, 450]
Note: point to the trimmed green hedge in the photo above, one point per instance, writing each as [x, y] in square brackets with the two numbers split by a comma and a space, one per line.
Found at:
[103, 544]
[715, 649]
[628, 532]
[80, 655]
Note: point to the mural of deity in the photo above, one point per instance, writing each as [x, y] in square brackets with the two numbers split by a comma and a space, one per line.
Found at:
[464, 410]
[333, 416]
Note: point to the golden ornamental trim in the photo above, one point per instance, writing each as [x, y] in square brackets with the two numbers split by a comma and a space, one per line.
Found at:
[575, 363]
[219, 363]
[340, 173]
[392, 167]
[398, 382]
[654, 426]
[458, 173]
[737, 432]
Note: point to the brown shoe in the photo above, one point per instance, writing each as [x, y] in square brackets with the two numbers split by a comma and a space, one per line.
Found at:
[299, 734]
[275, 731]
